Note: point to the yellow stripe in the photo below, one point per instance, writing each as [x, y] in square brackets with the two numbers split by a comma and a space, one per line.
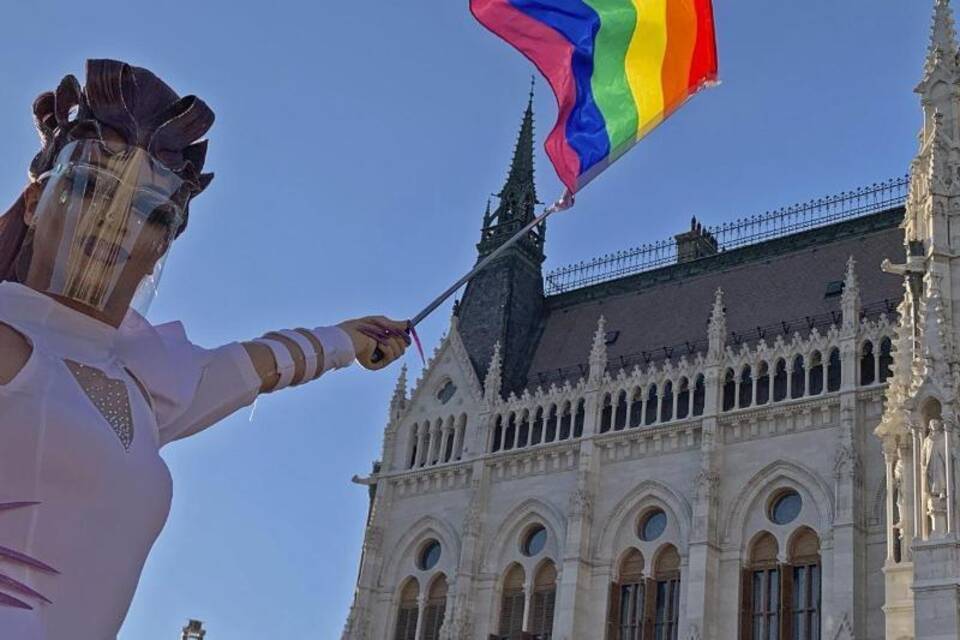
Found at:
[644, 61]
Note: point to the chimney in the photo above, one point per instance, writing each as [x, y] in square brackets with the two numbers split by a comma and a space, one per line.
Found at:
[696, 243]
[193, 631]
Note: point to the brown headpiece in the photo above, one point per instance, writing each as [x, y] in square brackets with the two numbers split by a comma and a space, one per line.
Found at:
[133, 104]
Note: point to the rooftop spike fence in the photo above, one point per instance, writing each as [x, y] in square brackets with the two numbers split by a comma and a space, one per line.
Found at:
[739, 233]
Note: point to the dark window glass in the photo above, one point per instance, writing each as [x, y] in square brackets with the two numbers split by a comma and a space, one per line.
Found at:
[535, 541]
[447, 392]
[729, 390]
[631, 611]
[666, 404]
[537, 435]
[551, 424]
[886, 359]
[667, 619]
[745, 398]
[816, 374]
[523, 435]
[430, 556]
[653, 402]
[868, 372]
[636, 409]
[786, 507]
[621, 418]
[653, 525]
[565, 420]
[606, 414]
[780, 381]
[763, 384]
[806, 602]
[833, 371]
[683, 400]
[497, 435]
[699, 396]
[578, 420]
[765, 613]
[798, 379]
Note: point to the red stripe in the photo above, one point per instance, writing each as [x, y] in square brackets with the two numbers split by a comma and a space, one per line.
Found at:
[552, 54]
[704, 67]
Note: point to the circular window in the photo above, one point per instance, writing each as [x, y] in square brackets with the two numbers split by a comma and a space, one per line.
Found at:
[429, 556]
[535, 541]
[653, 525]
[446, 392]
[785, 507]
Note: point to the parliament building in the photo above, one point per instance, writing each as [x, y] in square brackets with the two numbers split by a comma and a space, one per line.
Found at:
[748, 432]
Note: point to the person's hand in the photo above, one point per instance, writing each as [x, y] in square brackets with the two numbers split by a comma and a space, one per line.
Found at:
[377, 332]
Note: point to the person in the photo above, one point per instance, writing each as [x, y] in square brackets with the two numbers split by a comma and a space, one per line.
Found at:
[89, 390]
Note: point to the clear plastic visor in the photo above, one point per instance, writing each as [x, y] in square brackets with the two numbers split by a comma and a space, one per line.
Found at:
[104, 223]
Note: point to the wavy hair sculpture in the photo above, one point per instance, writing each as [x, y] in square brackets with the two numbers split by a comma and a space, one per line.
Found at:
[132, 104]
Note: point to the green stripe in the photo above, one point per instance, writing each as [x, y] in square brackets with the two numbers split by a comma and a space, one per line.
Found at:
[611, 91]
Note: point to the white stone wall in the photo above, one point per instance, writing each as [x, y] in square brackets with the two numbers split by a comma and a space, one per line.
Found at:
[713, 475]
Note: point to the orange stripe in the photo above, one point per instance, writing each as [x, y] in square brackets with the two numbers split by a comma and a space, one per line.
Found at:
[681, 41]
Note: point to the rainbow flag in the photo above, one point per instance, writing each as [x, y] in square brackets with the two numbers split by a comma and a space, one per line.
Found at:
[618, 68]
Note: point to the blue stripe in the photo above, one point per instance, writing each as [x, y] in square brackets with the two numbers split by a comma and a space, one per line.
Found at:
[586, 128]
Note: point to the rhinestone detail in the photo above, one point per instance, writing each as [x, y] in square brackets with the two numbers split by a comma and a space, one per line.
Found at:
[110, 398]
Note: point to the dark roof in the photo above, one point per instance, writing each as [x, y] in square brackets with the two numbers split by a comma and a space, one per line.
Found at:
[777, 286]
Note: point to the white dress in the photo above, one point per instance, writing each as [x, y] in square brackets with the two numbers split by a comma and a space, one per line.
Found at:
[83, 490]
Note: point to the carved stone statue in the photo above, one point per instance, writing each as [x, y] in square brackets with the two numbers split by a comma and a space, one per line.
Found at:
[898, 500]
[935, 461]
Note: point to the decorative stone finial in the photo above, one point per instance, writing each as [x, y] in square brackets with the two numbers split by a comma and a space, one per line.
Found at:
[717, 329]
[598, 352]
[399, 400]
[494, 380]
[941, 55]
[850, 300]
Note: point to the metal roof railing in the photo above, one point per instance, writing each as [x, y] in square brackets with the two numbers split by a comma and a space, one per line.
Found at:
[742, 232]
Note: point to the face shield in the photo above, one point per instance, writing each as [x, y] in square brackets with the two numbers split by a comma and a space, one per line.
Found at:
[104, 224]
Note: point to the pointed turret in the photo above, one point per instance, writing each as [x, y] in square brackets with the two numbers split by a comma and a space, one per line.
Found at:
[598, 352]
[717, 329]
[504, 302]
[850, 300]
[941, 62]
[493, 382]
[518, 198]
[398, 404]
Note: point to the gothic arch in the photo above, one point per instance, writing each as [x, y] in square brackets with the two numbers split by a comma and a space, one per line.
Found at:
[499, 552]
[644, 495]
[793, 473]
[403, 564]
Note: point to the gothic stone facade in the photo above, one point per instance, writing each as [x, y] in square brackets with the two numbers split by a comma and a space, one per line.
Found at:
[753, 444]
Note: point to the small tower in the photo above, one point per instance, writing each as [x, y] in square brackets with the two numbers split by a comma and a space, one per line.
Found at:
[193, 631]
[504, 302]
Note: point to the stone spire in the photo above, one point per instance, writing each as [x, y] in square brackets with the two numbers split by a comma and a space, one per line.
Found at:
[492, 385]
[850, 300]
[598, 352]
[717, 329]
[518, 197]
[504, 302]
[398, 403]
[941, 62]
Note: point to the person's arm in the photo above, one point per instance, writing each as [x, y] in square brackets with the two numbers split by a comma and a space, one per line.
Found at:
[274, 352]
[15, 350]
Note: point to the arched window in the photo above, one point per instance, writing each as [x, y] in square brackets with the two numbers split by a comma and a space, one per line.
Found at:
[510, 436]
[636, 407]
[798, 378]
[497, 435]
[683, 399]
[461, 435]
[408, 611]
[565, 420]
[780, 381]
[627, 610]
[886, 359]
[868, 371]
[523, 434]
[450, 437]
[620, 421]
[653, 403]
[537, 435]
[667, 604]
[436, 609]
[816, 373]
[606, 414]
[833, 371]
[544, 600]
[552, 424]
[699, 396]
[729, 390]
[745, 398]
[802, 594]
[511, 602]
[666, 403]
[763, 383]
[578, 419]
[415, 437]
[760, 614]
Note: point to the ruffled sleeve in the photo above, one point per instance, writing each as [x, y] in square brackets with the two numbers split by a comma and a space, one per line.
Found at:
[191, 387]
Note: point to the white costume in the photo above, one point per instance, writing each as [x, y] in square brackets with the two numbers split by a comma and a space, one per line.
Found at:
[83, 489]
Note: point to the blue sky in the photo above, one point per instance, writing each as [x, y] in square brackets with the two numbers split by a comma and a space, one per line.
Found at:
[355, 146]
